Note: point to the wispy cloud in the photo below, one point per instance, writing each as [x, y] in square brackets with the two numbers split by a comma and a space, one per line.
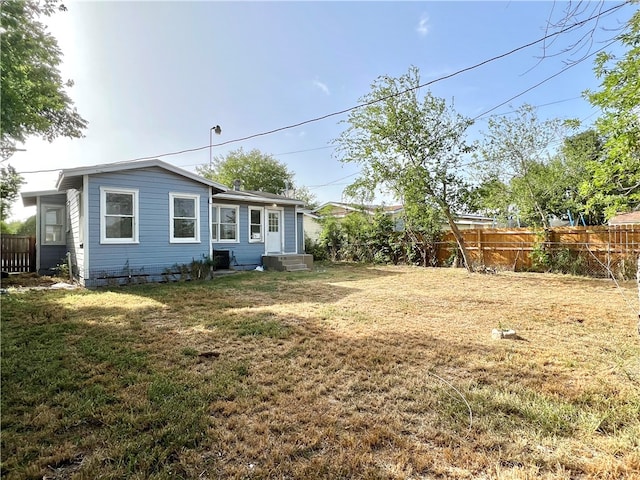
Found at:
[423, 25]
[437, 72]
[322, 86]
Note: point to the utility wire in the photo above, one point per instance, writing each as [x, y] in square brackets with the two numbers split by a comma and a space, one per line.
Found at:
[545, 80]
[502, 114]
[431, 82]
[372, 102]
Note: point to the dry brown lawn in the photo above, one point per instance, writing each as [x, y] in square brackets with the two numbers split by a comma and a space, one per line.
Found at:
[346, 372]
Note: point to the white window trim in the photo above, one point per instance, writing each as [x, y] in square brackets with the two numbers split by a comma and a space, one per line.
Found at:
[237, 209]
[251, 239]
[190, 196]
[103, 212]
[63, 240]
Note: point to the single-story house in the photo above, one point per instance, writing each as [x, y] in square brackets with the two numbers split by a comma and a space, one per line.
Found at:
[312, 218]
[142, 219]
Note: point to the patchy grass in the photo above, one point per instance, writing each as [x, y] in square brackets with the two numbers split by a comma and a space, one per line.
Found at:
[346, 372]
[17, 280]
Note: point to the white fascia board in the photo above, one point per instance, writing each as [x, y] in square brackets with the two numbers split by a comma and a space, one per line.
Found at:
[29, 199]
[256, 199]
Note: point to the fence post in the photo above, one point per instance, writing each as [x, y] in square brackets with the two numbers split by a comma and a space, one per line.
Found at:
[32, 254]
[480, 248]
[638, 277]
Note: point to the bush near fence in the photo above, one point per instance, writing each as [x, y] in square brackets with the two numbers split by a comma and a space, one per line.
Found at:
[594, 251]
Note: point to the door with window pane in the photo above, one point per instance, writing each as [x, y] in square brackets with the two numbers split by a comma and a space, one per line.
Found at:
[274, 231]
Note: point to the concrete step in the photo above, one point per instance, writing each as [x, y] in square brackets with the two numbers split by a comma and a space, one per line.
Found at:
[295, 262]
[291, 261]
[299, 267]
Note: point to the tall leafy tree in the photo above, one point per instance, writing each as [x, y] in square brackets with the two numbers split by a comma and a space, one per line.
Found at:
[34, 98]
[34, 101]
[304, 194]
[10, 183]
[255, 169]
[614, 183]
[578, 154]
[554, 184]
[410, 143]
[492, 197]
[516, 151]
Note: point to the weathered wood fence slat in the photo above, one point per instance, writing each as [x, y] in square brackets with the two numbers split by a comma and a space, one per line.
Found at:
[513, 248]
[18, 253]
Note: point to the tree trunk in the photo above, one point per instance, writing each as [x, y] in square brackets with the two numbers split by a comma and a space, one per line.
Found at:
[459, 238]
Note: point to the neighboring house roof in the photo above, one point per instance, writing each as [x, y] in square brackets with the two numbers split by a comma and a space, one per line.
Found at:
[339, 209]
[309, 213]
[473, 218]
[30, 199]
[625, 218]
[72, 177]
[258, 197]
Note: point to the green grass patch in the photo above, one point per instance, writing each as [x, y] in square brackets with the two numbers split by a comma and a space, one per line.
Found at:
[95, 386]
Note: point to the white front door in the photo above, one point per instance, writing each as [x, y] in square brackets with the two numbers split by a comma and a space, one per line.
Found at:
[274, 231]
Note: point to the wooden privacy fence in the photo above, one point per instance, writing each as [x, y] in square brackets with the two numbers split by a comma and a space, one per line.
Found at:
[594, 249]
[18, 253]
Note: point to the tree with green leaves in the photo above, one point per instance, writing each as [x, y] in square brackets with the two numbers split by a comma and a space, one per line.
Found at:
[554, 184]
[614, 183]
[10, 183]
[305, 195]
[577, 153]
[410, 143]
[33, 97]
[516, 154]
[256, 170]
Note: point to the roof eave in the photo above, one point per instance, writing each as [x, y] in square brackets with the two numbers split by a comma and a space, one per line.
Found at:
[65, 178]
[30, 199]
[241, 196]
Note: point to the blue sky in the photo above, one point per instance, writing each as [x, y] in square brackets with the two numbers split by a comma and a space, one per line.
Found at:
[153, 77]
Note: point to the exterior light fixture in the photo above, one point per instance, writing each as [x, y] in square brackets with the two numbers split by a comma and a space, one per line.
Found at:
[218, 131]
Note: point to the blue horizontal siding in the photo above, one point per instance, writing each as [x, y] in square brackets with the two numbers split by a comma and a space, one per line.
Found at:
[300, 227]
[246, 255]
[289, 230]
[154, 248]
[242, 254]
[75, 246]
[50, 257]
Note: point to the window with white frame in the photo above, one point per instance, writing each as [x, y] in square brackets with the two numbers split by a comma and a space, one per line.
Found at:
[224, 223]
[255, 224]
[118, 215]
[53, 224]
[184, 214]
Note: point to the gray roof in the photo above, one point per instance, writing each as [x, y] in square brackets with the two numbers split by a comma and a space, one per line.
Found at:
[72, 177]
[258, 197]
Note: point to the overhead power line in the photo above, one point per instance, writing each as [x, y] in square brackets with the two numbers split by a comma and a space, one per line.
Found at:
[372, 102]
[483, 116]
[545, 80]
